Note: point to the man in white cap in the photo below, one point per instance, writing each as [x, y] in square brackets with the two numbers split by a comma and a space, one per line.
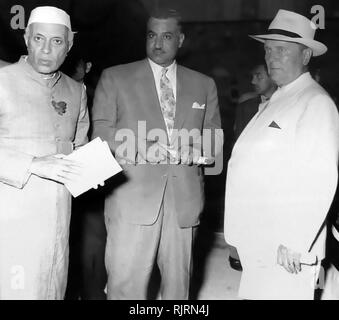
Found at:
[282, 174]
[43, 115]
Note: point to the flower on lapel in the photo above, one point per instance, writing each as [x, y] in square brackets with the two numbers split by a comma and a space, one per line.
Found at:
[60, 107]
[196, 105]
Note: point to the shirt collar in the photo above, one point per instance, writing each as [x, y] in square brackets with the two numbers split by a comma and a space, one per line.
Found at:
[303, 80]
[263, 98]
[304, 76]
[36, 75]
[156, 68]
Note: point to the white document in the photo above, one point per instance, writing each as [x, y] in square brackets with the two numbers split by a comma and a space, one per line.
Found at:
[98, 164]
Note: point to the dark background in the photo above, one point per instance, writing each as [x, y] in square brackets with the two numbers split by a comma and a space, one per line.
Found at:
[111, 32]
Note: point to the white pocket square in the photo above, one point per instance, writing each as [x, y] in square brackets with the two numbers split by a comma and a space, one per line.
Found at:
[196, 105]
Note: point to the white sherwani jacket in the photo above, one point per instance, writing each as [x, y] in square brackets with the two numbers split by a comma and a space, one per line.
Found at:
[35, 212]
[282, 175]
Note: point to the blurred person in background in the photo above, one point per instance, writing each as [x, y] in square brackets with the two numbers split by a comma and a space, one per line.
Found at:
[88, 277]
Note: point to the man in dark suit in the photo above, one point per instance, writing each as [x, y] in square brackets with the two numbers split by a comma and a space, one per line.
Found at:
[152, 215]
[263, 87]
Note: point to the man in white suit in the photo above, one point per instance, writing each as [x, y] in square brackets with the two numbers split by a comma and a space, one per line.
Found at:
[282, 174]
[3, 63]
[43, 115]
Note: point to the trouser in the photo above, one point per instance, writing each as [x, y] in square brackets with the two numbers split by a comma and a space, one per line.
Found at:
[132, 250]
[234, 253]
[331, 288]
[87, 275]
[93, 268]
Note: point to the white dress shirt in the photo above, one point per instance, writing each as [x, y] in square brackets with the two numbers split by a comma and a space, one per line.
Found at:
[171, 75]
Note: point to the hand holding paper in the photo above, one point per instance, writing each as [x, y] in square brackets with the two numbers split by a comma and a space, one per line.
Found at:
[98, 164]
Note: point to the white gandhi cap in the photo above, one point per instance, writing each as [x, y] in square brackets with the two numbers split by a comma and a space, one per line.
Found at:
[50, 15]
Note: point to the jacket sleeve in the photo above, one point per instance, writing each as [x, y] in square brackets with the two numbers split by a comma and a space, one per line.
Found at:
[83, 121]
[213, 136]
[313, 172]
[104, 113]
[14, 167]
[105, 117]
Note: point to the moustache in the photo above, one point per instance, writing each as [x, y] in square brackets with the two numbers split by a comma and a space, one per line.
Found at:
[158, 50]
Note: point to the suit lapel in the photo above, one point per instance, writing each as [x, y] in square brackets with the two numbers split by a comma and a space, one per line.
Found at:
[182, 101]
[151, 100]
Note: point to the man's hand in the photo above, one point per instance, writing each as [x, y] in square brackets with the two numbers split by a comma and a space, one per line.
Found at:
[185, 155]
[289, 259]
[189, 155]
[155, 153]
[55, 168]
[101, 184]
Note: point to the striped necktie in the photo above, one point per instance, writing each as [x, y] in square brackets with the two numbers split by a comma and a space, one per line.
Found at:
[167, 102]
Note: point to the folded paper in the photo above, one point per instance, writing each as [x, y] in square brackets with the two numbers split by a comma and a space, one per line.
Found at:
[97, 165]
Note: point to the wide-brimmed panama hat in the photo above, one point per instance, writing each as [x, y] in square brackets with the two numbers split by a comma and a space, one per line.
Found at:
[293, 27]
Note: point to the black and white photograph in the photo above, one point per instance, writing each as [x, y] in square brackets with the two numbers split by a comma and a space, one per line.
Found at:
[183, 151]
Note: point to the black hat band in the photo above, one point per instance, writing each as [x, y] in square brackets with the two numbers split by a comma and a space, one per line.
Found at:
[284, 33]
